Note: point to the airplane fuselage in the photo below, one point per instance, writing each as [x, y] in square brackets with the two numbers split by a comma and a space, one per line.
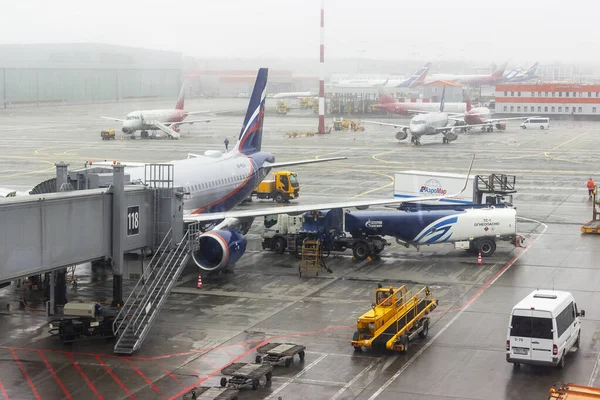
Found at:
[426, 124]
[215, 182]
[479, 115]
[404, 108]
[139, 120]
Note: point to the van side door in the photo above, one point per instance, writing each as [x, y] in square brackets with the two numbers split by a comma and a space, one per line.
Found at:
[565, 328]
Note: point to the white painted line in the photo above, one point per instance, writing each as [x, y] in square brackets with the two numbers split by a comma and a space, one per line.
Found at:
[311, 381]
[357, 377]
[298, 375]
[462, 310]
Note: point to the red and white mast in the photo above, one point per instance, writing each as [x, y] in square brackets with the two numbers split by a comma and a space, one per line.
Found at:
[322, 73]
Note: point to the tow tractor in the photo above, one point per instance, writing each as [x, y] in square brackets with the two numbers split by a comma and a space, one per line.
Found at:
[283, 187]
[83, 321]
[594, 225]
[395, 320]
[108, 134]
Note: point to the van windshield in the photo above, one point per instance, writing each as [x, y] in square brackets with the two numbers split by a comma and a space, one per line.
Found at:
[531, 327]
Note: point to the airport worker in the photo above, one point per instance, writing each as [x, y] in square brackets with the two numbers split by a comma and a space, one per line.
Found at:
[590, 186]
[226, 144]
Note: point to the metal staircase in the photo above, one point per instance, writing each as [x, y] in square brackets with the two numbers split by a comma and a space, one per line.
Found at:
[140, 310]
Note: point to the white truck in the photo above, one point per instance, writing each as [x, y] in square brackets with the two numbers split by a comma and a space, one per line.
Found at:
[481, 189]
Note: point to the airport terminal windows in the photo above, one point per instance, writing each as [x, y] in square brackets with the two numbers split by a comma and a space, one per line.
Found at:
[552, 109]
[518, 108]
[566, 109]
[593, 109]
[532, 94]
[566, 94]
[505, 93]
[559, 94]
[539, 109]
[580, 109]
[539, 94]
[559, 109]
[589, 94]
[519, 94]
[512, 108]
[505, 108]
[546, 94]
[525, 109]
[512, 94]
[574, 94]
[545, 109]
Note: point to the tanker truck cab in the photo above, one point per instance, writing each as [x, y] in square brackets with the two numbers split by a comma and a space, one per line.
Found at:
[283, 187]
[543, 328]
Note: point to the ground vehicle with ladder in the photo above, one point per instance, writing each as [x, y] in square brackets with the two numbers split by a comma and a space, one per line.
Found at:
[396, 319]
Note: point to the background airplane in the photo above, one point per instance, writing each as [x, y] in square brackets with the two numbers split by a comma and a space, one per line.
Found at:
[472, 80]
[167, 121]
[293, 95]
[520, 74]
[388, 104]
[431, 123]
[414, 80]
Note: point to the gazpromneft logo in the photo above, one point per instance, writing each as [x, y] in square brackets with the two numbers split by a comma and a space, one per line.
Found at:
[433, 190]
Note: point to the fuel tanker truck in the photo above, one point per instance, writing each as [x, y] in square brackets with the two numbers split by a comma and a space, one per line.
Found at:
[474, 227]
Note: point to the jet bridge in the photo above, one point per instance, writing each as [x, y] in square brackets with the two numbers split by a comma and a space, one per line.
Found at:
[93, 215]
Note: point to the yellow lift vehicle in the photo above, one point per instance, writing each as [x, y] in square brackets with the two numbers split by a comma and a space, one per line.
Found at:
[396, 318]
[594, 225]
[573, 392]
[281, 107]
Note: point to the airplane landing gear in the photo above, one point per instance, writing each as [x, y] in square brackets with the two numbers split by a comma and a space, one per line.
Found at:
[490, 129]
[144, 135]
[445, 140]
[415, 140]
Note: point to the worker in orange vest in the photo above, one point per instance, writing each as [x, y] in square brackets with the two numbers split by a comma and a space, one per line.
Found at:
[590, 186]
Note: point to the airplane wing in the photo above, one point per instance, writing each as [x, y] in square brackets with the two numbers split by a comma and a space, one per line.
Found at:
[361, 204]
[106, 163]
[114, 119]
[300, 162]
[493, 121]
[456, 127]
[386, 124]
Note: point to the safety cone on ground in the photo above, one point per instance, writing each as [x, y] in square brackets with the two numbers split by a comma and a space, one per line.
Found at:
[199, 281]
[479, 261]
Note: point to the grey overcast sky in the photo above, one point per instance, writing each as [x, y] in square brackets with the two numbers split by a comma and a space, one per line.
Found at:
[482, 30]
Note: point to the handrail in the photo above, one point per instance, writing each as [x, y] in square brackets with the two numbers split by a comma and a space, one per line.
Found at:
[144, 276]
[158, 280]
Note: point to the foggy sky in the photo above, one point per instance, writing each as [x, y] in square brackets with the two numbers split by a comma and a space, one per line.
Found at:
[484, 31]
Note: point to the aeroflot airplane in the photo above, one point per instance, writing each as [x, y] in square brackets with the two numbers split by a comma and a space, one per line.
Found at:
[167, 121]
[218, 182]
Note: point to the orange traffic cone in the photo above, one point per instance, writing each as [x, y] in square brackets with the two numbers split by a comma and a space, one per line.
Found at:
[199, 281]
[479, 261]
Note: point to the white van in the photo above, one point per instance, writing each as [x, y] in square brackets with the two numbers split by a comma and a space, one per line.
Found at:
[536, 123]
[543, 327]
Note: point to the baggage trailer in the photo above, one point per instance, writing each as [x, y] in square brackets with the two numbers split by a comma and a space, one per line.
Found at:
[243, 374]
[395, 320]
[84, 321]
[594, 225]
[274, 353]
[573, 392]
[214, 393]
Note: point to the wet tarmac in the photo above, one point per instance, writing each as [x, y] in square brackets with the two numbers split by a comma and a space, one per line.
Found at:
[200, 331]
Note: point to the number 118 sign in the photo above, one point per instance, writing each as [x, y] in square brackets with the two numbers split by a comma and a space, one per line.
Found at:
[133, 220]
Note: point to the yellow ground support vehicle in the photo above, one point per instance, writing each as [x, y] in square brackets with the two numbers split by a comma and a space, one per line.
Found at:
[282, 188]
[281, 107]
[108, 134]
[396, 318]
[594, 225]
[574, 392]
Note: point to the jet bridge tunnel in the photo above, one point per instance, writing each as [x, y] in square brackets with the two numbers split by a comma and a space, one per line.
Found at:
[93, 215]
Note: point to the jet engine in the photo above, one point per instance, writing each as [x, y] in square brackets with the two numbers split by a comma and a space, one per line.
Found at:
[403, 134]
[218, 249]
[451, 136]
[176, 128]
[127, 130]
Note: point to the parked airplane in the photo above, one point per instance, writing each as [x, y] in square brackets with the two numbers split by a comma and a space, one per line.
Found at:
[521, 75]
[416, 79]
[431, 123]
[473, 80]
[293, 95]
[388, 104]
[167, 121]
[215, 183]
[482, 117]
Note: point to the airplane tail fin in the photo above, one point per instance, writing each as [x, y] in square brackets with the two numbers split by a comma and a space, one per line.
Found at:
[469, 104]
[418, 78]
[442, 99]
[250, 138]
[500, 71]
[385, 97]
[181, 98]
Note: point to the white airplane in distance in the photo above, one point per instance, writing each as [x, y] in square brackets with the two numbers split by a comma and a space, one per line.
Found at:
[429, 123]
[293, 95]
[165, 120]
[217, 182]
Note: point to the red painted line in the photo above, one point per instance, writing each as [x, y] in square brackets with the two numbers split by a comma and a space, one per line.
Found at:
[56, 378]
[84, 376]
[29, 381]
[140, 373]
[169, 374]
[3, 391]
[116, 378]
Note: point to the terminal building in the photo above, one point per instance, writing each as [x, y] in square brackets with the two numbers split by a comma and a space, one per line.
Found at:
[38, 74]
[548, 99]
